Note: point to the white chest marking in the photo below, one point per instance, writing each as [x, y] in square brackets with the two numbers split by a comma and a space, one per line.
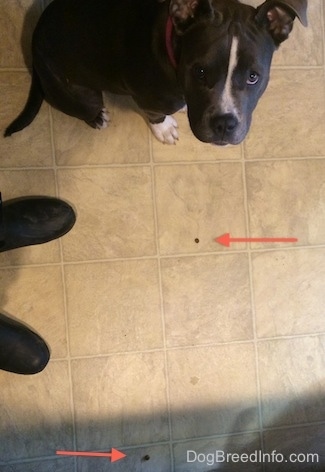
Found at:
[227, 100]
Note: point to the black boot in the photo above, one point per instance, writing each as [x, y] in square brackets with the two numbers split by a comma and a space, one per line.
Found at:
[24, 222]
[33, 220]
[21, 350]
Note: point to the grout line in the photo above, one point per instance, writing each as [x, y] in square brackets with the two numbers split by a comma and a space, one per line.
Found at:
[253, 312]
[300, 67]
[293, 426]
[168, 256]
[180, 441]
[322, 12]
[164, 164]
[16, 69]
[64, 293]
[191, 347]
[71, 397]
[163, 325]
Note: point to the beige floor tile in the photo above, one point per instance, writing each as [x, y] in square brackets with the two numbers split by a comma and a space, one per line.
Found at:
[212, 390]
[126, 319]
[40, 254]
[304, 46]
[286, 199]
[290, 118]
[58, 465]
[17, 22]
[289, 292]
[34, 422]
[306, 444]
[292, 380]
[211, 454]
[125, 141]
[35, 296]
[199, 302]
[120, 400]
[144, 459]
[30, 147]
[114, 213]
[21, 183]
[189, 148]
[198, 202]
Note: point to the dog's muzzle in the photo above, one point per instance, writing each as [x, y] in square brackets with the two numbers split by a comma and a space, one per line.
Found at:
[224, 128]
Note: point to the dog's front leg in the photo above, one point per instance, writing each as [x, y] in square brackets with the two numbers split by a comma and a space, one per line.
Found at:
[165, 131]
[163, 126]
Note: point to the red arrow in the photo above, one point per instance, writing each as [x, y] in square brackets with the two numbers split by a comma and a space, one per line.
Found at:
[114, 455]
[225, 240]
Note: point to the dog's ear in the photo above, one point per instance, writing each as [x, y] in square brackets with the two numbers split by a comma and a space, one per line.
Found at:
[279, 16]
[185, 13]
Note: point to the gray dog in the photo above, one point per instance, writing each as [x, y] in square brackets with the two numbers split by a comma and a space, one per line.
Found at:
[212, 55]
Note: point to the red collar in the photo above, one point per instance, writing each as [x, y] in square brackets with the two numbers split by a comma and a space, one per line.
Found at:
[169, 42]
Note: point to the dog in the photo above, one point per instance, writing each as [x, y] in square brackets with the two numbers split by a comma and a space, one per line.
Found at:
[213, 56]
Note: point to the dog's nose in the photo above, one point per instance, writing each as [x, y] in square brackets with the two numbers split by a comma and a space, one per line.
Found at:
[224, 124]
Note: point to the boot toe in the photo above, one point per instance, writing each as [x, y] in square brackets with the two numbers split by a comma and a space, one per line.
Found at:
[35, 220]
[22, 351]
[32, 358]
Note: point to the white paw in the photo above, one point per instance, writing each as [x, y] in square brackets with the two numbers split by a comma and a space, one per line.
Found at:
[166, 132]
[102, 119]
[183, 110]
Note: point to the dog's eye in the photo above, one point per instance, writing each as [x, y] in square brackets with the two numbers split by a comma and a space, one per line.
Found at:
[199, 73]
[253, 78]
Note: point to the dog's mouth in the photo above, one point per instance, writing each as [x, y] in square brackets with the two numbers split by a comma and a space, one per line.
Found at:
[220, 143]
[210, 137]
[220, 130]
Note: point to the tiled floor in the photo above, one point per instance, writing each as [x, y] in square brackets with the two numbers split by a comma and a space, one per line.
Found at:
[162, 345]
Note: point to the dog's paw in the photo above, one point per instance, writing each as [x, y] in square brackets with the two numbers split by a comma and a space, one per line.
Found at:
[165, 132]
[183, 109]
[101, 121]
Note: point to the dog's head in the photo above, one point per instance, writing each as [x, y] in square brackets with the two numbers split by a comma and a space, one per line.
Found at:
[224, 51]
